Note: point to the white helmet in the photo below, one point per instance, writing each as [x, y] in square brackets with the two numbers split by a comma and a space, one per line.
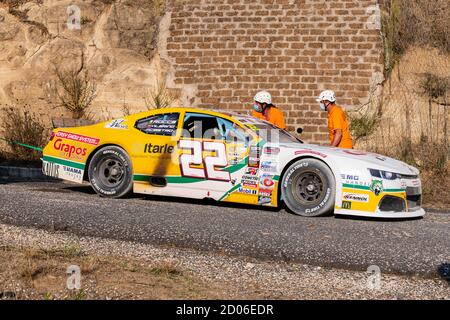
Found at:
[327, 95]
[263, 97]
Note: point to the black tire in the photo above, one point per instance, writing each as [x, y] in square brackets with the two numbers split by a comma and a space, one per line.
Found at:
[308, 188]
[110, 172]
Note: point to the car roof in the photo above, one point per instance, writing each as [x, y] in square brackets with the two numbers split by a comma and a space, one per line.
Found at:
[220, 113]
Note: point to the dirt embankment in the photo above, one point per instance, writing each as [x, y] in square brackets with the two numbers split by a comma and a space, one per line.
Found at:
[116, 43]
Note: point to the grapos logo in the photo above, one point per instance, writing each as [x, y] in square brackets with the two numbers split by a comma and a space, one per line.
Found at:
[74, 18]
[74, 279]
[374, 279]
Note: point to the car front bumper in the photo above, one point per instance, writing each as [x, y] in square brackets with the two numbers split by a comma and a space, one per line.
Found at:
[382, 214]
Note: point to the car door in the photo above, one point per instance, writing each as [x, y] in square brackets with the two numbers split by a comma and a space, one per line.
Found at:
[213, 152]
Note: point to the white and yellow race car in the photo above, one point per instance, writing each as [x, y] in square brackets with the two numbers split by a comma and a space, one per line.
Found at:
[194, 153]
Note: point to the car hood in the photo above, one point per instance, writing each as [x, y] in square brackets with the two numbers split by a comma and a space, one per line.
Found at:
[373, 160]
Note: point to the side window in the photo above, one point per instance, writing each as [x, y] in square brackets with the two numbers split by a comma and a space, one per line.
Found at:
[161, 124]
[201, 126]
[232, 133]
[210, 127]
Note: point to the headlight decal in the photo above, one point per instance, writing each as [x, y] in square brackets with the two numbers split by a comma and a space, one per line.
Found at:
[384, 174]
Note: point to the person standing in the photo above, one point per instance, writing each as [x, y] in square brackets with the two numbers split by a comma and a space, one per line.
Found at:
[338, 126]
[265, 110]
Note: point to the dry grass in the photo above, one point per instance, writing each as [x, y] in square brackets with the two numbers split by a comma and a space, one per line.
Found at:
[77, 91]
[408, 23]
[413, 124]
[19, 125]
[41, 274]
[159, 98]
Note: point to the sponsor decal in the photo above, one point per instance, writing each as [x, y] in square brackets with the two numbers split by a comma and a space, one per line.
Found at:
[72, 173]
[381, 158]
[269, 166]
[252, 171]
[154, 148]
[265, 192]
[117, 124]
[77, 137]
[271, 150]
[415, 183]
[266, 181]
[62, 171]
[247, 191]
[234, 160]
[50, 169]
[69, 150]
[250, 181]
[264, 200]
[355, 153]
[354, 180]
[346, 205]
[403, 184]
[355, 197]
[376, 187]
[308, 151]
[254, 156]
[162, 126]
[349, 177]
[250, 184]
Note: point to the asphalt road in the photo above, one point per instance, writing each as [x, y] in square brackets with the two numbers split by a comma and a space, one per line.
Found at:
[418, 246]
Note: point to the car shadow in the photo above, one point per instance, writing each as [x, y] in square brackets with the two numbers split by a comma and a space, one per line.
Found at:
[81, 189]
[12, 180]
[356, 218]
[88, 190]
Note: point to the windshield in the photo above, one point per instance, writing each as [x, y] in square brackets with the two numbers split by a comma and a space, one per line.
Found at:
[271, 133]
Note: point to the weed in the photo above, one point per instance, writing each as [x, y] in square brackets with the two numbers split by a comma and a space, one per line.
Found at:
[77, 91]
[160, 98]
[21, 126]
[165, 268]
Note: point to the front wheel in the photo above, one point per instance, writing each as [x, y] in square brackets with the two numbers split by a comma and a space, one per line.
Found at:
[110, 172]
[308, 188]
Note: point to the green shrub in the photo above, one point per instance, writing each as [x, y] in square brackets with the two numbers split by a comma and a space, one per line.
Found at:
[362, 126]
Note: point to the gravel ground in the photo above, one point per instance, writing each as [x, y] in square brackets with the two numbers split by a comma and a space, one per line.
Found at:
[227, 277]
[414, 247]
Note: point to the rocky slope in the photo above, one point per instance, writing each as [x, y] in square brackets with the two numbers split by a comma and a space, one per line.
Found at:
[116, 43]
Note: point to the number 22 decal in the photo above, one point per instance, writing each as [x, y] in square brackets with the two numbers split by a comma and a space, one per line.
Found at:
[210, 163]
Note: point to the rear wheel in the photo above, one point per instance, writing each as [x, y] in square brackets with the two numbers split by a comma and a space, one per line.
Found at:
[110, 172]
[308, 188]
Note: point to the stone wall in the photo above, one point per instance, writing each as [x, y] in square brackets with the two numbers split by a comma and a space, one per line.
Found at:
[223, 51]
[214, 54]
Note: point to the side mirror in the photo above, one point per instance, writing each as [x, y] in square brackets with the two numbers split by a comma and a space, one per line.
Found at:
[299, 130]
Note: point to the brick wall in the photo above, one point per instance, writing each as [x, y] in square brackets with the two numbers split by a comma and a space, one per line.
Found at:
[225, 51]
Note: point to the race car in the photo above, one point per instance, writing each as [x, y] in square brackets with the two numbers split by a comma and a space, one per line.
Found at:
[203, 154]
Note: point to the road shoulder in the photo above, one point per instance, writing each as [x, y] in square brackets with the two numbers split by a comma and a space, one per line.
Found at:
[36, 263]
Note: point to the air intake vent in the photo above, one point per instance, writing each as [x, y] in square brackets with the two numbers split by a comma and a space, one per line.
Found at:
[158, 181]
[391, 203]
